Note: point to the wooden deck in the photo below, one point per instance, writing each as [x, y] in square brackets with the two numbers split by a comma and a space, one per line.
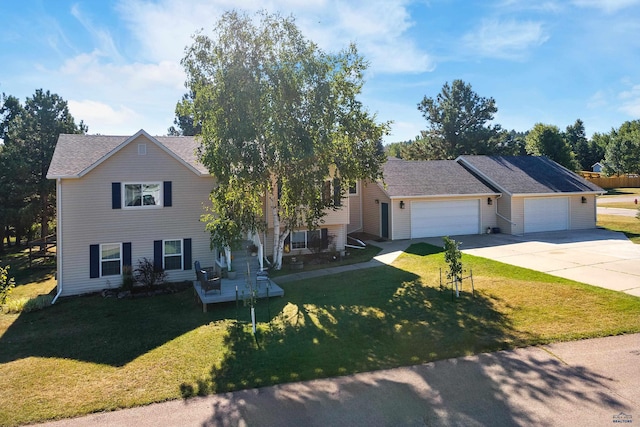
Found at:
[234, 288]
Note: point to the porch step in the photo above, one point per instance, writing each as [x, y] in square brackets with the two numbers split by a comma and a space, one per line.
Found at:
[241, 257]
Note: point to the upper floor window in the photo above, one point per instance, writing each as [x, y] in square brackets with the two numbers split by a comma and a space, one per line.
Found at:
[142, 194]
[353, 189]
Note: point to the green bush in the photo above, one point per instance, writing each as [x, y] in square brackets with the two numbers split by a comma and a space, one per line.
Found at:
[26, 305]
[127, 278]
[6, 284]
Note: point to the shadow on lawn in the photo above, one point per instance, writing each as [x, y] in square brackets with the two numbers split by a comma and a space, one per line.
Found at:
[326, 328]
[105, 330]
[504, 388]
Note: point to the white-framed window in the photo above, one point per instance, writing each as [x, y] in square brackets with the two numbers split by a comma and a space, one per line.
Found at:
[110, 259]
[353, 189]
[172, 254]
[298, 240]
[142, 195]
[304, 239]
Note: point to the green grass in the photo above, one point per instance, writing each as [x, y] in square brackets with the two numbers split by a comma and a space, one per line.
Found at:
[612, 192]
[630, 226]
[90, 354]
[623, 205]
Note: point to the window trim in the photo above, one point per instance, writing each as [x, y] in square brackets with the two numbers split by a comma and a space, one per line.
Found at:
[102, 260]
[159, 203]
[292, 240]
[164, 254]
[355, 192]
[306, 237]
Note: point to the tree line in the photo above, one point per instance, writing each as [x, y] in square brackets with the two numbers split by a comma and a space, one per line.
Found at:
[458, 124]
[29, 133]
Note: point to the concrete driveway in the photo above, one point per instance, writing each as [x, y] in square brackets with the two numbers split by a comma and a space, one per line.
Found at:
[597, 257]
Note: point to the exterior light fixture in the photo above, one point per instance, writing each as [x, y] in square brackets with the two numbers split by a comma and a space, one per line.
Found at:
[584, 199]
[489, 201]
[377, 202]
[401, 204]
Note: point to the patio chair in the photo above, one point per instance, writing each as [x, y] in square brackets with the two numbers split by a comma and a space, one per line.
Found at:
[208, 282]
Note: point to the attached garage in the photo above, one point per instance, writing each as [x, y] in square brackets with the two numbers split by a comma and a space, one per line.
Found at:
[445, 218]
[546, 214]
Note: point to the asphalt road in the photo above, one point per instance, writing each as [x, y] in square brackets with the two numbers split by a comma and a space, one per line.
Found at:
[583, 383]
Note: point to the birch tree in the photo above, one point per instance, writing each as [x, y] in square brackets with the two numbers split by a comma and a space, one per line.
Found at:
[279, 118]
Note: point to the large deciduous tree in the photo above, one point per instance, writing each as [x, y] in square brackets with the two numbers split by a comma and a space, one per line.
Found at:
[184, 124]
[30, 133]
[279, 118]
[623, 151]
[547, 140]
[457, 119]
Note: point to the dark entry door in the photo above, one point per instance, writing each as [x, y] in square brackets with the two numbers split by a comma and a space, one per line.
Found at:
[384, 218]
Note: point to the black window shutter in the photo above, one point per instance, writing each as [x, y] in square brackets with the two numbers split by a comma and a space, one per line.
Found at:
[187, 254]
[157, 254]
[94, 261]
[116, 196]
[167, 196]
[126, 254]
[324, 235]
[337, 200]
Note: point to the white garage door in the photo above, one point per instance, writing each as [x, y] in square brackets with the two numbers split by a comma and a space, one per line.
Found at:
[450, 218]
[546, 214]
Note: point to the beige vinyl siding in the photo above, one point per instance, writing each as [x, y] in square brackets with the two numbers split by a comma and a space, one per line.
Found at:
[582, 215]
[371, 210]
[504, 209]
[88, 217]
[488, 217]
[517, 215]
[338, 217]
[355, 210]
[400, 219]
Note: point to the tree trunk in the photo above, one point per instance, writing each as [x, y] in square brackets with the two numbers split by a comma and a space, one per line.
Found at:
[278, 238]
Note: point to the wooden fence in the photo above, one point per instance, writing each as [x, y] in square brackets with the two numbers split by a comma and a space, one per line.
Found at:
[615, 181]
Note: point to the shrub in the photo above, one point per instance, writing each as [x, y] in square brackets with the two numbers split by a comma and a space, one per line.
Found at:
[127, 278]
[147, 273]
[452, 256]
[6, 284]
[26, 305]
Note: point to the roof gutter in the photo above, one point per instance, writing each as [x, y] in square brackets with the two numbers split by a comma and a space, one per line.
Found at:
[445, 196]
[58, 240]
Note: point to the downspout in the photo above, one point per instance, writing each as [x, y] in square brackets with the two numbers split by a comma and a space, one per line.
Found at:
[58, 240]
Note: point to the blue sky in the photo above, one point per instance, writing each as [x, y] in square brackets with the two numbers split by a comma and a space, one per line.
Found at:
[117, 62]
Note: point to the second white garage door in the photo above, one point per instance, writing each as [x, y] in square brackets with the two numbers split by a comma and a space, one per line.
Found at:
[446, 218]
[546, 214]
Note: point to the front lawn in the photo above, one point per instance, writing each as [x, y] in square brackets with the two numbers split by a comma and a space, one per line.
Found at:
[91, 354]
[628, 225]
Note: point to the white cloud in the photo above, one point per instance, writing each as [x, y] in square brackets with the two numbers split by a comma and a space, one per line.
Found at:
[598, 100]
[608, 6]
[98, 112]
[630, 101]
[106, 46]
[164, 28]
[508, 39]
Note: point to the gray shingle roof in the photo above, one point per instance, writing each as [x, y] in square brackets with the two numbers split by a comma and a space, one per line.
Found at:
[406, 178]
[528, 174]
[75, 154]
